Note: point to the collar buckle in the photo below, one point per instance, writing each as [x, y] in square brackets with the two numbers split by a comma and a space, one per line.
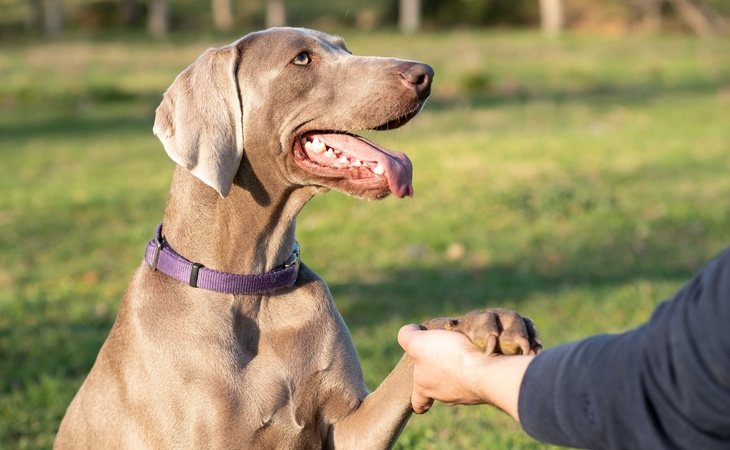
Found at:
[295, 258]
[158, 243]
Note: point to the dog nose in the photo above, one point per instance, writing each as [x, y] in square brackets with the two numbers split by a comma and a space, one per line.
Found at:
[419, 76]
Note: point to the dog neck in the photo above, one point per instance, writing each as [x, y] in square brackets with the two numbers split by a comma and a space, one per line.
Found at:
[250, 231]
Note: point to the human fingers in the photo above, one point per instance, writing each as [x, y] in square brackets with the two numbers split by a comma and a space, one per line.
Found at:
[406, 334]
[419, 402]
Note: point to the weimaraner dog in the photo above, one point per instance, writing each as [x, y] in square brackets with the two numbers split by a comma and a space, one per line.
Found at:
[245, 348]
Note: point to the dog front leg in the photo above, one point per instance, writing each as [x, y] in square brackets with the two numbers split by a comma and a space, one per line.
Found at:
[380, 418]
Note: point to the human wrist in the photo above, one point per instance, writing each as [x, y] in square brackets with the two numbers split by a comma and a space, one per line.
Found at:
[496, 380]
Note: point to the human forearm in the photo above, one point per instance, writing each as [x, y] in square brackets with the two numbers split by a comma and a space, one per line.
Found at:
[665, 384]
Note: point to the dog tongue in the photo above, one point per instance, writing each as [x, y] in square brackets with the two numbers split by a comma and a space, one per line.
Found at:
[398, 168]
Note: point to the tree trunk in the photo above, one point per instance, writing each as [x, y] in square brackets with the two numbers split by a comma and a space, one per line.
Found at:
[646, 15]
[693, 16]
[130, 12]
[222, 15]
[247, 10]
[52, 17]
[551, 16]
[158, 18]
[275, 13]
[34, 19]
[409, 15]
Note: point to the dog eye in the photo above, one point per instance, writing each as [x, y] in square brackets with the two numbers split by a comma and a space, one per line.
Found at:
[302, 59]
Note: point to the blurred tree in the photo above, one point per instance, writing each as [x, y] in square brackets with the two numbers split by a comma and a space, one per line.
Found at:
[248, 11]
[222, 14]
[481, 12]
[130, 12]
[551, 16]
[52, 17]
[646, 15]
[409, 15]
[703, 17]
[694, 17]
[275, 13]
[158, 18]
[34, 19]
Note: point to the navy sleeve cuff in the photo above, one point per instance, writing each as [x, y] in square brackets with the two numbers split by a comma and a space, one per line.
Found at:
[569, 410]
[540, 422]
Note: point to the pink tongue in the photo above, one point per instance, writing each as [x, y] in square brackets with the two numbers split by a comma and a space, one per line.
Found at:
[398, 168]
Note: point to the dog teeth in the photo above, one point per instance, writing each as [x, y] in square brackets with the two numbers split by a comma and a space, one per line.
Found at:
[316, 146]
[342, 159]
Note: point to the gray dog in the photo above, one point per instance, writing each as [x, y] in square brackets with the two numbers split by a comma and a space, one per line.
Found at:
[244, 348]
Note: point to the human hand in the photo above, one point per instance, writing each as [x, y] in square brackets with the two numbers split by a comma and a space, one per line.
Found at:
[443, 366]
[449, 368]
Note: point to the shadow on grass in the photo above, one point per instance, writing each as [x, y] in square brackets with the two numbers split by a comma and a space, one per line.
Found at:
[418, 294]
[50, 343]
[80, 119]
[78, 116]
[50, 346]
[610, 92]
[41, 338]
[75, 126]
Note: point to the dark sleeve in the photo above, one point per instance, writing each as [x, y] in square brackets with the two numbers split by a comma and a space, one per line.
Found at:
[663, 385]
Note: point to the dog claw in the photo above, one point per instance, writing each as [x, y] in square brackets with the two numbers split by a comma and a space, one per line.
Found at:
[494, 331]
[490, 345]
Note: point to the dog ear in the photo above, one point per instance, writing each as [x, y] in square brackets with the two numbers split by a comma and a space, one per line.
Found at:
[199, 119]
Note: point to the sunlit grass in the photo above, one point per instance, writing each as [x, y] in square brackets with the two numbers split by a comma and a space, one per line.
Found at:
[580, 181]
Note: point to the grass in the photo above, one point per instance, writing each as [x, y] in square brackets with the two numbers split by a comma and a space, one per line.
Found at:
[579, 180]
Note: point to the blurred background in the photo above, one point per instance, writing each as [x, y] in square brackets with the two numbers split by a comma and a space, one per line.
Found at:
[572, 164]
[158, 17]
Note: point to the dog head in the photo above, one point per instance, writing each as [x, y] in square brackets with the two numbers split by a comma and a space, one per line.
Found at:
[287, 102]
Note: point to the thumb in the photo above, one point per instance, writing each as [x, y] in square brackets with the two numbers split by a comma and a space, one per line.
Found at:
[420, 403]
[406, 334]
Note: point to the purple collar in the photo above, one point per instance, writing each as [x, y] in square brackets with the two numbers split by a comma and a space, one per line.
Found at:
[160, 256]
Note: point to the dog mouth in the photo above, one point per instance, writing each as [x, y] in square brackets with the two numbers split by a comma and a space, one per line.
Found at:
[345, 156]
[400, 121]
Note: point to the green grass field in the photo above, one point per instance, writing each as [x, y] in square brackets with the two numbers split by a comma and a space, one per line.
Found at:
[580, 181]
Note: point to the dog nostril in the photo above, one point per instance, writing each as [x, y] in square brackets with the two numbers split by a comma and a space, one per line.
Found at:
[414, 77]
[418, 76]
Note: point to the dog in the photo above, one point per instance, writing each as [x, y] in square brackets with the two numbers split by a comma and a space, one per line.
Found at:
[224, 339]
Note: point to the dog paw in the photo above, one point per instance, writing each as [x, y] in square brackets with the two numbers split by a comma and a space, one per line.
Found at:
[494, 330]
